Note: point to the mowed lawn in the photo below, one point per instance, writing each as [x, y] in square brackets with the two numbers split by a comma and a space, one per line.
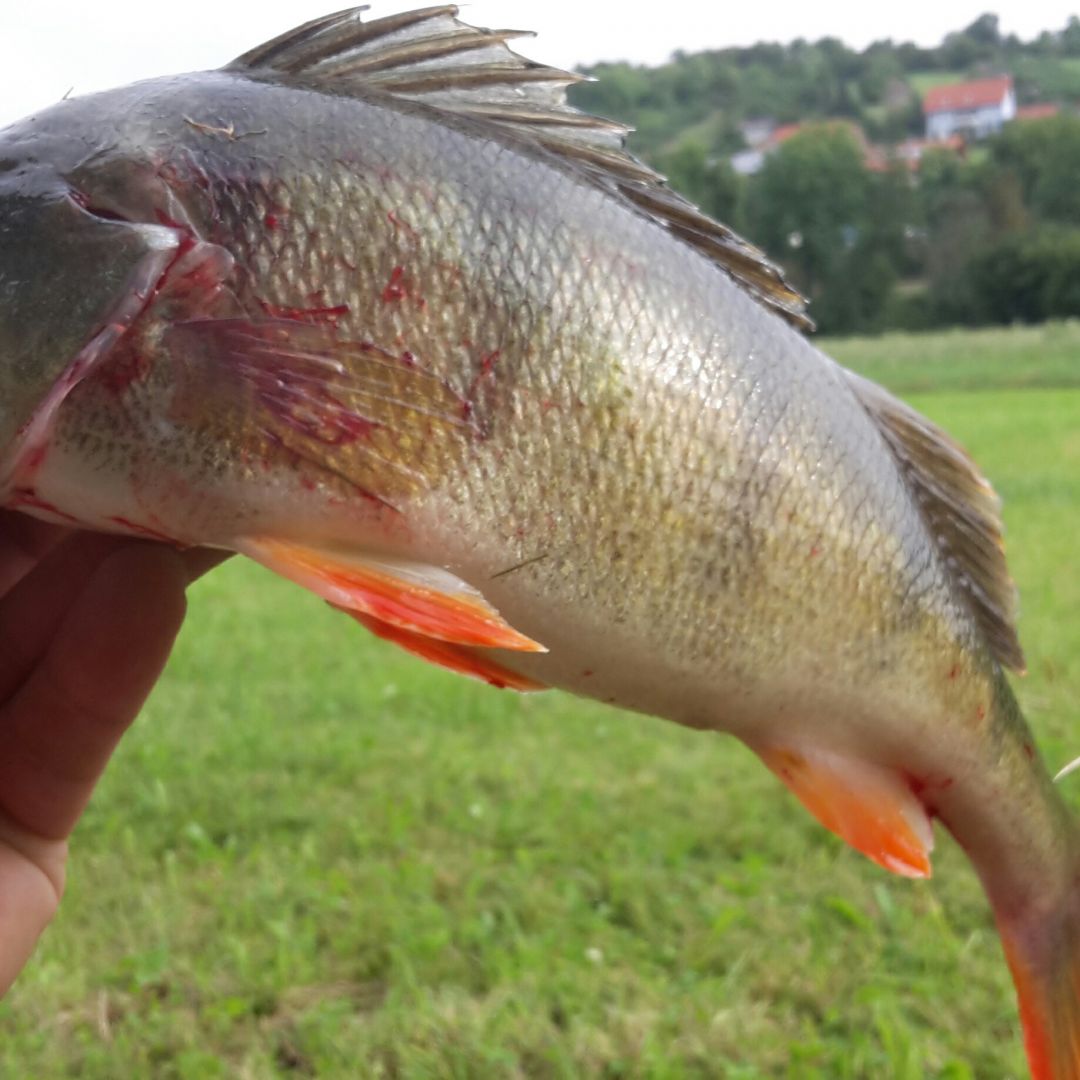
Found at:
[315, 856]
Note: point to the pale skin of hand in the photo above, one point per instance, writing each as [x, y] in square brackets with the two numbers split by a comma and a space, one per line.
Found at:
[86, 625]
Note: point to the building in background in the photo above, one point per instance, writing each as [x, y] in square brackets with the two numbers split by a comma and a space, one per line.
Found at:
[972, 109]
[1040, 111]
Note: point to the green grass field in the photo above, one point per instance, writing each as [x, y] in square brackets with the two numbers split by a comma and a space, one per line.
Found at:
[924, 81]
[317, 857]
[1021, 357]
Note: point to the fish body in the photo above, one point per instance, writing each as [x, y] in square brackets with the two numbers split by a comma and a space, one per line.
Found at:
[379, 310]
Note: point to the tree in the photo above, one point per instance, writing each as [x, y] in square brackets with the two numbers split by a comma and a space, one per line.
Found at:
[711, 185]
[985, 30]
[1044, 155]
[813, 186]
[834, 225]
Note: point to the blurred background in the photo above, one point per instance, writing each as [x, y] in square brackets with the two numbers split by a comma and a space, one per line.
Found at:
[912, 166]
[903, 186]
[315, 856]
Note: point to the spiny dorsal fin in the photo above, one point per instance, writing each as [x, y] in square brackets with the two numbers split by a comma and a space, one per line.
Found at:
[431, 57]
[961, 509]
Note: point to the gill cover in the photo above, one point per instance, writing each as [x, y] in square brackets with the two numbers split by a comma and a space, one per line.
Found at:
[71, 281]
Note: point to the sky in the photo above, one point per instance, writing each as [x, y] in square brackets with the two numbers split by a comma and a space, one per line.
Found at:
[51, 47]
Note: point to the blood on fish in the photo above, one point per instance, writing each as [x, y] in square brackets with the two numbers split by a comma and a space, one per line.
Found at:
[36, 458]
[404, 226]
[396, 288]
[140, 530]
[487, 367]
[272, 222]
[921, 785]
[82, 200]
[312, 315]
[28, 499]
[187, 241]
[122, 372]
[307, 408]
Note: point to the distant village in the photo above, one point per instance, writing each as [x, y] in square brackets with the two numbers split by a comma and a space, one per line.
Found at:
[955, 115]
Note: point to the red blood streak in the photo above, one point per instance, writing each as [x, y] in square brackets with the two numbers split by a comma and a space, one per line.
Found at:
[31, 501]
[306, 407]
[187, 241]
[954, 671]
[36, 458]
[305, 315]
[1029, 750]
[272, 222]
[396, 288]
[920, 785]
[403, 225]
[487, 367]
[140, 530]
[127, 368]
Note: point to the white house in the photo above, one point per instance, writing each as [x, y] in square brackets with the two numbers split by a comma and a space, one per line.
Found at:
[973, 109]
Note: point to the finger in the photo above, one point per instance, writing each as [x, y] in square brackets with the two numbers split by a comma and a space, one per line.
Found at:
[30, 615]
[23, 542]
[200, 561]
[31, 881]
[32, 612]
[62, 726]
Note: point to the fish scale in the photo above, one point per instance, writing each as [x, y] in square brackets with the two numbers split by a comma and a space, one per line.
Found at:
[375, 307]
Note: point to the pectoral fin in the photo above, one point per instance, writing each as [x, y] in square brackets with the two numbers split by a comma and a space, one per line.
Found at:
[459, 658]
[871, 807]
[416, 599]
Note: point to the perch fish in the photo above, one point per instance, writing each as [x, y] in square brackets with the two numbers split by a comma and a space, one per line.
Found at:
[375, 307]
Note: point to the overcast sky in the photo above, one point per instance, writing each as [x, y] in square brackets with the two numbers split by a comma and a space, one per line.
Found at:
[51, 46]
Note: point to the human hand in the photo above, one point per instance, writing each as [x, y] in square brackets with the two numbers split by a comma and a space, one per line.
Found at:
[86, 625]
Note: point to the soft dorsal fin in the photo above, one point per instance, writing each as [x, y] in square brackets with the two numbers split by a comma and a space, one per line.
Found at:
[961, 510]
[431, 57]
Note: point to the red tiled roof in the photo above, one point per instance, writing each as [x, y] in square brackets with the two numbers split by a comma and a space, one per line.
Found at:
[783, 133]
[970, 95]
[787, 131]
[1042, 111]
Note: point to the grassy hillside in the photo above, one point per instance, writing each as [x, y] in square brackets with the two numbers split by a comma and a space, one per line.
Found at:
[317, 857]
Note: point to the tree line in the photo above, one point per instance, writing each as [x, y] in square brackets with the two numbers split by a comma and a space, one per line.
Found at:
[985, 236]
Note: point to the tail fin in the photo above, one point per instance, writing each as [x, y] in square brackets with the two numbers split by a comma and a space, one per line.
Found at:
[1044, 958]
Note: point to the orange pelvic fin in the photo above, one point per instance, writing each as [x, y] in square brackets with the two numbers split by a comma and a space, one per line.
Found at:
[871, 807]
[459, 658]
[418, 599]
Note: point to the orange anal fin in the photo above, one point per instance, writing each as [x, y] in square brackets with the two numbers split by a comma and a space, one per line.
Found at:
[414, 598]
[871, 807]
[459, 658]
